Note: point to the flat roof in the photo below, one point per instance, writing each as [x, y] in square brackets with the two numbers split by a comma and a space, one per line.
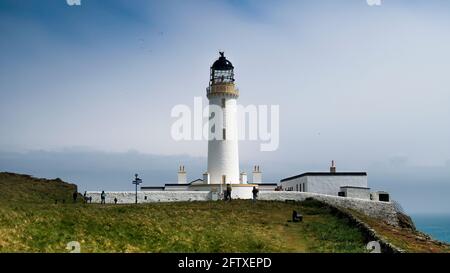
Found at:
[355, 187]
[325, 174]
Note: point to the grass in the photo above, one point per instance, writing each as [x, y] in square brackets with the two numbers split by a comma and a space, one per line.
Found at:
[239, 226]
[30, 221]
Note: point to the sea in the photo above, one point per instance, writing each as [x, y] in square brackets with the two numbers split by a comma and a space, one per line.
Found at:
[436, 225]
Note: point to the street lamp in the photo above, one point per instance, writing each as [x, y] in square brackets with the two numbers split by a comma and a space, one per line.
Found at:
[136, 182]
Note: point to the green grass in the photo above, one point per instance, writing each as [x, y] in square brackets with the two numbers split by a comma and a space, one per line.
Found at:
[239, 226]
[31, 222]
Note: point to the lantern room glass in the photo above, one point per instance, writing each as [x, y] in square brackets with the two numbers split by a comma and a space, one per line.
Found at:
[222, 76]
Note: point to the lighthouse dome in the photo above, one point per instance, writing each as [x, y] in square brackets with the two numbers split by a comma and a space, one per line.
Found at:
[222, 63]
[222, 71]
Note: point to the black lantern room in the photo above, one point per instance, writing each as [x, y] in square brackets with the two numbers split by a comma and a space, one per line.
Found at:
[222, 71]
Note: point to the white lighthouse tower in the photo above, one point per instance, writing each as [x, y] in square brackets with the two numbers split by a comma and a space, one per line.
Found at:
[223, 155]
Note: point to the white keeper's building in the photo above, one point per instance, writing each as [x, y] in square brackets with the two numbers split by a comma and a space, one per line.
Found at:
[344, 184]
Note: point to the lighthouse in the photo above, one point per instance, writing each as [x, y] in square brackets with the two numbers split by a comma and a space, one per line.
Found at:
[223, 154]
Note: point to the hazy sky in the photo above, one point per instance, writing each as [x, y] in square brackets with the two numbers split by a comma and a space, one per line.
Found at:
[86, 91]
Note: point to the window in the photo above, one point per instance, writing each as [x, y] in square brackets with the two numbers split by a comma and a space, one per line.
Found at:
[296, 187]
[224, 179]
[224, 134]
[304, 186]
[224, 103]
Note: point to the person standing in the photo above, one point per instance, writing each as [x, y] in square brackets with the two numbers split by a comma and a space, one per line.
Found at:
[229, 192]
[103, 197]
[255, 193]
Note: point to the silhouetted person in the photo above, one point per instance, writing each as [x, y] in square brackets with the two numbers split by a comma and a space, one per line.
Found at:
[103, 197]
[229, 192]
[75, 196]
[296, 217]
[255, 193]
[115, 200]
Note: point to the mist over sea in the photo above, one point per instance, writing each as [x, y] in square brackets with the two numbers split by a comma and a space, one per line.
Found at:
[436, 225]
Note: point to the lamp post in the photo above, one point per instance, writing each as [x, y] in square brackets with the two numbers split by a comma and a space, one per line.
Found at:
[136, 182]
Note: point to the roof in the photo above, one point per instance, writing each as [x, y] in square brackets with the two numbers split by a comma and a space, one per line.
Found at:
[196, 180]
[325, 174]
[152, 188]
[354, 187]
[222, 63]
[186, 184]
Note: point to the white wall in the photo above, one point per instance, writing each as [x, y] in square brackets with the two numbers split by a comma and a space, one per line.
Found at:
[327, 184]
[331, 185]
[361, 193]
[176, 187]
[125, 197]
[292, 184]
[241, 192]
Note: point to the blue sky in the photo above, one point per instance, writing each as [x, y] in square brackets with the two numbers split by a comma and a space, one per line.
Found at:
[86, 92]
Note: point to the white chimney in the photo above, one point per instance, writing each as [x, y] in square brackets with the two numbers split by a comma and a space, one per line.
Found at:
[243, 178]
[182, 177]
[333, 167]
[206, 179]
[257, 175]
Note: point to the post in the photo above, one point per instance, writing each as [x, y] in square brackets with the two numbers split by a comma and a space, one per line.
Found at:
[136, 182]
[135, 195]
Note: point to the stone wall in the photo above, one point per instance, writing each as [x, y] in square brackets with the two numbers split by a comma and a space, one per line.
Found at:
[379, 210]
[128, 197]
[384, 211]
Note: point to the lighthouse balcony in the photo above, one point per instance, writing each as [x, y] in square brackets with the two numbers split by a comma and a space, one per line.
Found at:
[222, 89]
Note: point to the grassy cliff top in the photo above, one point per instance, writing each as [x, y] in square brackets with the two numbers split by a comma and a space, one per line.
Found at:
[21, 188]
[30, 221]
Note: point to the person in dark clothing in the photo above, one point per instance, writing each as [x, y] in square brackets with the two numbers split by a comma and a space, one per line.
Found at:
[255, 193]
[115, 200]
[103, 197]
[75, 196]
[296, 217]
[229, 192]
